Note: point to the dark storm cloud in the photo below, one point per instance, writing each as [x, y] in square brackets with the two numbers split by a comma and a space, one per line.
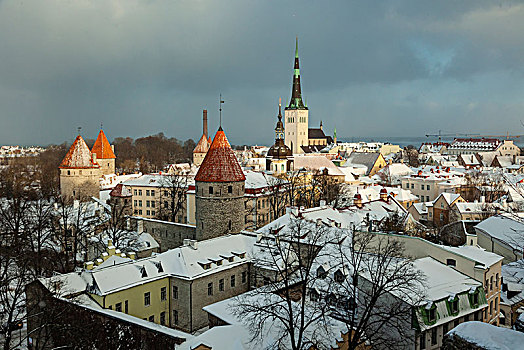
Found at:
[370, 68]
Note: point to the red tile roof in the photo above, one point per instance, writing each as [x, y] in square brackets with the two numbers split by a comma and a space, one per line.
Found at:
[102, 148]
[202, 145]
[79, 156]
[220, 163]
[120, 191]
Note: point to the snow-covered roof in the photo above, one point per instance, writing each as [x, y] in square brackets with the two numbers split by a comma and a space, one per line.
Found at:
[317, 163]
[443, 281]
[448, 197]
[475, 253]
[474, 208]
[420, 208]
[488, 336]
[507, 228]
[513, 278]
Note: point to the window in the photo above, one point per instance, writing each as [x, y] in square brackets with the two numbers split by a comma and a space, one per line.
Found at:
[118, 307]
[455, 306]
[140, 212]
[232, 281]
[153, 204]
[422, 340]
[140, 203]
[432, 314]
[175, 292]
[428, 187]
[126, 306]
[496, 303]
[147, 192]
[148, 204]
[210, 189]
[497, 280]
[152, 318]
[491, 283]
[148, 212]
[210, 288]
[162, 318]
[135, 192]
[244, 276]
[135, 202]
[147, 299]
[476, 298]
[163, 293]
[175, 317]
[153, 213]
[221, 285]
[139, 192]
[445, 328]
[491, 307]
[421, 187]
[434, 336]
[451, 262]
[229, 189]
[339, 276]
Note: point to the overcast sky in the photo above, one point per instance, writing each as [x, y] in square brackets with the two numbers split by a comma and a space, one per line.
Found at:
[368, 68]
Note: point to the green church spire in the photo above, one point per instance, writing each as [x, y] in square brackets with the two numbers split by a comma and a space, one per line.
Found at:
[296, 94]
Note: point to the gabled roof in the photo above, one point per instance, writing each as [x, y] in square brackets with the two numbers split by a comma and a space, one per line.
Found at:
[365, 158]
[79, 156]
[102, 148]
[220, 163]
[202, 145]
[120, 191]
[315, 133]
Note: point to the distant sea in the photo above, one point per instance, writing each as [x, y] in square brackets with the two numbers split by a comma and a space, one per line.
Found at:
[404, 141]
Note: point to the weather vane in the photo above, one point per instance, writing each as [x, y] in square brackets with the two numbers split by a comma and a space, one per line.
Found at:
[220, 109]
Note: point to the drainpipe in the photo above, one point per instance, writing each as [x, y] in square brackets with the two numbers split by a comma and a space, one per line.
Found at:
[191, 307]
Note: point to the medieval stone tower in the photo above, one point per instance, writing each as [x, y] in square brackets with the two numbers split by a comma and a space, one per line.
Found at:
[79, 172]
[296, 115]
[105, 154]
[219, 191]
[200, 151]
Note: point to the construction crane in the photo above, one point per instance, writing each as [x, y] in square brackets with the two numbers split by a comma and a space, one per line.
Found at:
[440, 134]
[507, 136]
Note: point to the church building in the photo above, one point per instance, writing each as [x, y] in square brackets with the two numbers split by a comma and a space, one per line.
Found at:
[279, 158]
[298, 136]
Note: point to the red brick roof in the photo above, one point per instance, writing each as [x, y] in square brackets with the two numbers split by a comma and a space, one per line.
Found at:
[102, 148]
[202, 145]
[79, 156]
[220, 163]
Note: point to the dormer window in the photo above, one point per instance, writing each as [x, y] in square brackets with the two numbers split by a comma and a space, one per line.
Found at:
[455, 306]
[321, 272]
[432, 314]
[339, 276]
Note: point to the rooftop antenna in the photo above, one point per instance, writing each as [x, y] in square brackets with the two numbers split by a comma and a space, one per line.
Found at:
[79, 130]
[101, 125]
[220, 109]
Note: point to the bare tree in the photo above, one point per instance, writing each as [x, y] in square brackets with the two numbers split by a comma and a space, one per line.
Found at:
[173, 190]
[322, 277]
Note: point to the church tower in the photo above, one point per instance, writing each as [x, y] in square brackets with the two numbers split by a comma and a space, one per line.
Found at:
[279, 158]
[219, 191]
[200, 151]
[296, 114]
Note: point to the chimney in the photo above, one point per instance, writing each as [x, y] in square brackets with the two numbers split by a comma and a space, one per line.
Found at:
[204, 120]
[384, 195]
[139, 226]
[193, 244]
[322, 202]
[186, 241]
[357, 200]
[89, 265]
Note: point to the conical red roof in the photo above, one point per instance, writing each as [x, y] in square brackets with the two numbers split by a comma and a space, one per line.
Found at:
[202, 145]
[220, 163]
[79, 156]
[102, 148]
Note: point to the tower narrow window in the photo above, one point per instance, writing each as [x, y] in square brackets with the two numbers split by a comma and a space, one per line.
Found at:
[229, 225]
[230, 189]
[210, 189]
